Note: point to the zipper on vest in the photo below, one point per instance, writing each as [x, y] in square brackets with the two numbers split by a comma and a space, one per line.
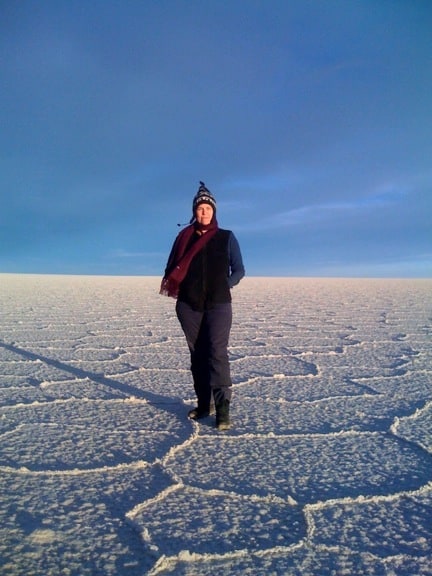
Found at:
[204, 273]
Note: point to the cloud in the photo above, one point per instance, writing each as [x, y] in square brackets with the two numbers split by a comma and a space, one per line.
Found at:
[325, 211]
[120, 253]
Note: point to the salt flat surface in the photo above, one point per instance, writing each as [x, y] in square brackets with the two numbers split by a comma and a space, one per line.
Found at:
[327, 470]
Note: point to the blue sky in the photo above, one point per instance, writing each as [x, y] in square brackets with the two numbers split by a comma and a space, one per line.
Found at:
[309, 120]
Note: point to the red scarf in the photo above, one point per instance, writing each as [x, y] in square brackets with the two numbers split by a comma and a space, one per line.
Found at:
[180, 258]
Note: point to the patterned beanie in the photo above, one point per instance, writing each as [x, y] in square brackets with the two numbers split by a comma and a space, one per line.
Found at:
[203, 196]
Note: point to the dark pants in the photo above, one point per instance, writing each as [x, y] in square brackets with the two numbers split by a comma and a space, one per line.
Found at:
[207, 335]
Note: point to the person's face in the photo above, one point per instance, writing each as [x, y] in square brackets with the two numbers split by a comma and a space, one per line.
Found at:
[204, 214]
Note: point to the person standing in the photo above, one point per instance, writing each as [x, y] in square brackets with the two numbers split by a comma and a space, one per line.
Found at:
[205, 262]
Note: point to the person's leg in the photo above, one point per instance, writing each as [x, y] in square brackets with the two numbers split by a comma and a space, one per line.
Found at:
[218, 322]
[195, 331]
[201, 370]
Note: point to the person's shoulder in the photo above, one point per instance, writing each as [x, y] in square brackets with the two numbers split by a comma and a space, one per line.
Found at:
[224, 235]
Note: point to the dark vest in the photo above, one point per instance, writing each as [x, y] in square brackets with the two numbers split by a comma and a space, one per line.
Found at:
[206, 282]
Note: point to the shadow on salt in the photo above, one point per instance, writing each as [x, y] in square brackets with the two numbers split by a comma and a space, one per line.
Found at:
[134, 425]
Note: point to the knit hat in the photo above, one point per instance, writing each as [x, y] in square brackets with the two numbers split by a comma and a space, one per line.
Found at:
[203, 196]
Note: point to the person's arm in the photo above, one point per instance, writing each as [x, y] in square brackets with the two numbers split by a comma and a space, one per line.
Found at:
[237, 270]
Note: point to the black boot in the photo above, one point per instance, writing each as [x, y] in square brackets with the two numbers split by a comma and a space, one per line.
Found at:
[222, 415]
[198, 413]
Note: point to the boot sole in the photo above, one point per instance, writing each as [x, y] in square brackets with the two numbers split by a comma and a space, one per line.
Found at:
[223, 426]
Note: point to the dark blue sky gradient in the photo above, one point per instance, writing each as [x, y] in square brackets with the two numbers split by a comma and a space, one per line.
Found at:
[309, 120]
